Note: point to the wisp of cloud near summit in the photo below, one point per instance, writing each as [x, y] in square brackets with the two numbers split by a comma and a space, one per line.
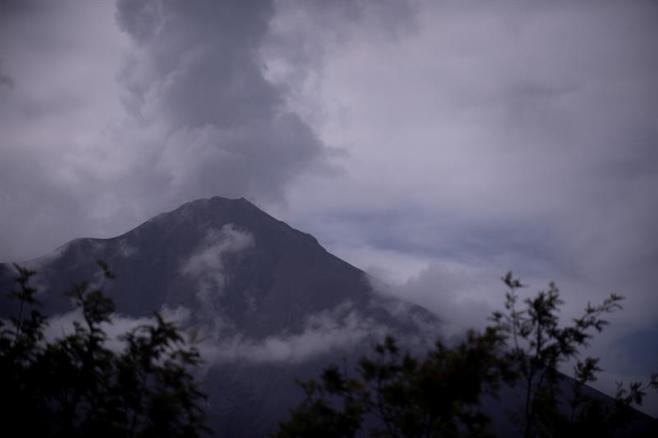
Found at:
[434, 144]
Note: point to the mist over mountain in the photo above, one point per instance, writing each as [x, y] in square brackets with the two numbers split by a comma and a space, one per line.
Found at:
[267, 303]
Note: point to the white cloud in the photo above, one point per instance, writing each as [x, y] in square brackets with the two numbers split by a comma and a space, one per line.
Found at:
[62, 325]
[339, 328]
[125, 249]
[206, 265]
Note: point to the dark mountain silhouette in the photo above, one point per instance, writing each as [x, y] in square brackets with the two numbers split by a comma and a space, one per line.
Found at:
[269, 304]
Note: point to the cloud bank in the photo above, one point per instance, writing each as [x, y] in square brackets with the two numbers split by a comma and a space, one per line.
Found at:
[328, 331]
[206, 265]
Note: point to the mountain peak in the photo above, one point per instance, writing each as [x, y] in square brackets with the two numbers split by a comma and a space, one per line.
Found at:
[257, 290]
[222, 258]
[205, 214]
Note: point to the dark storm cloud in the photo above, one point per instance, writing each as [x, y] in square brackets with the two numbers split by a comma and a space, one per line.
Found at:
[197, 75]
[101, 133]
[199, 60]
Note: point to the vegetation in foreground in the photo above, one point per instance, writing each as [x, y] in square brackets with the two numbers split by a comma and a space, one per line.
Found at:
[77, 386]
[394, 394]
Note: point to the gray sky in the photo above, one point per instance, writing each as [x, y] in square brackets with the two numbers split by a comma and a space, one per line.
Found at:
[434, 144]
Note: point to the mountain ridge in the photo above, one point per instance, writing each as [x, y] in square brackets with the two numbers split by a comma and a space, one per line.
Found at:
[271, 304]
[208, 246]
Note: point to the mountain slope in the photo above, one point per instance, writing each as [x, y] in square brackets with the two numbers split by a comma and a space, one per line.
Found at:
[215, 256]
[269, 302]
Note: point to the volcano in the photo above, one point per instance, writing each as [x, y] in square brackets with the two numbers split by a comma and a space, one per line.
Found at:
[269, 303]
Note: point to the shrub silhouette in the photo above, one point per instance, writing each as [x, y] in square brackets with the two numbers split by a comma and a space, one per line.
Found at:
[394, 394]
[77, 386]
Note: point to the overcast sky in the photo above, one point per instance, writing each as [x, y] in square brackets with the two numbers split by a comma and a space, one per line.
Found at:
[434, 144]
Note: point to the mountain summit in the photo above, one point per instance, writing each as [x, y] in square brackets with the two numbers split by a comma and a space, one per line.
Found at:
[269, 302]
[219, 258]
[265, 303]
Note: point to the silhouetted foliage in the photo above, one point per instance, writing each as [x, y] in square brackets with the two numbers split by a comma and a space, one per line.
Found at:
[404, 395]
[76, 385]
[395, 394]
[538, 345]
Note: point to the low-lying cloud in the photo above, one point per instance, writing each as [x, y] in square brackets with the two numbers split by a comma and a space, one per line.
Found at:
[206, 265]
[336, 329]
[62, 325]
